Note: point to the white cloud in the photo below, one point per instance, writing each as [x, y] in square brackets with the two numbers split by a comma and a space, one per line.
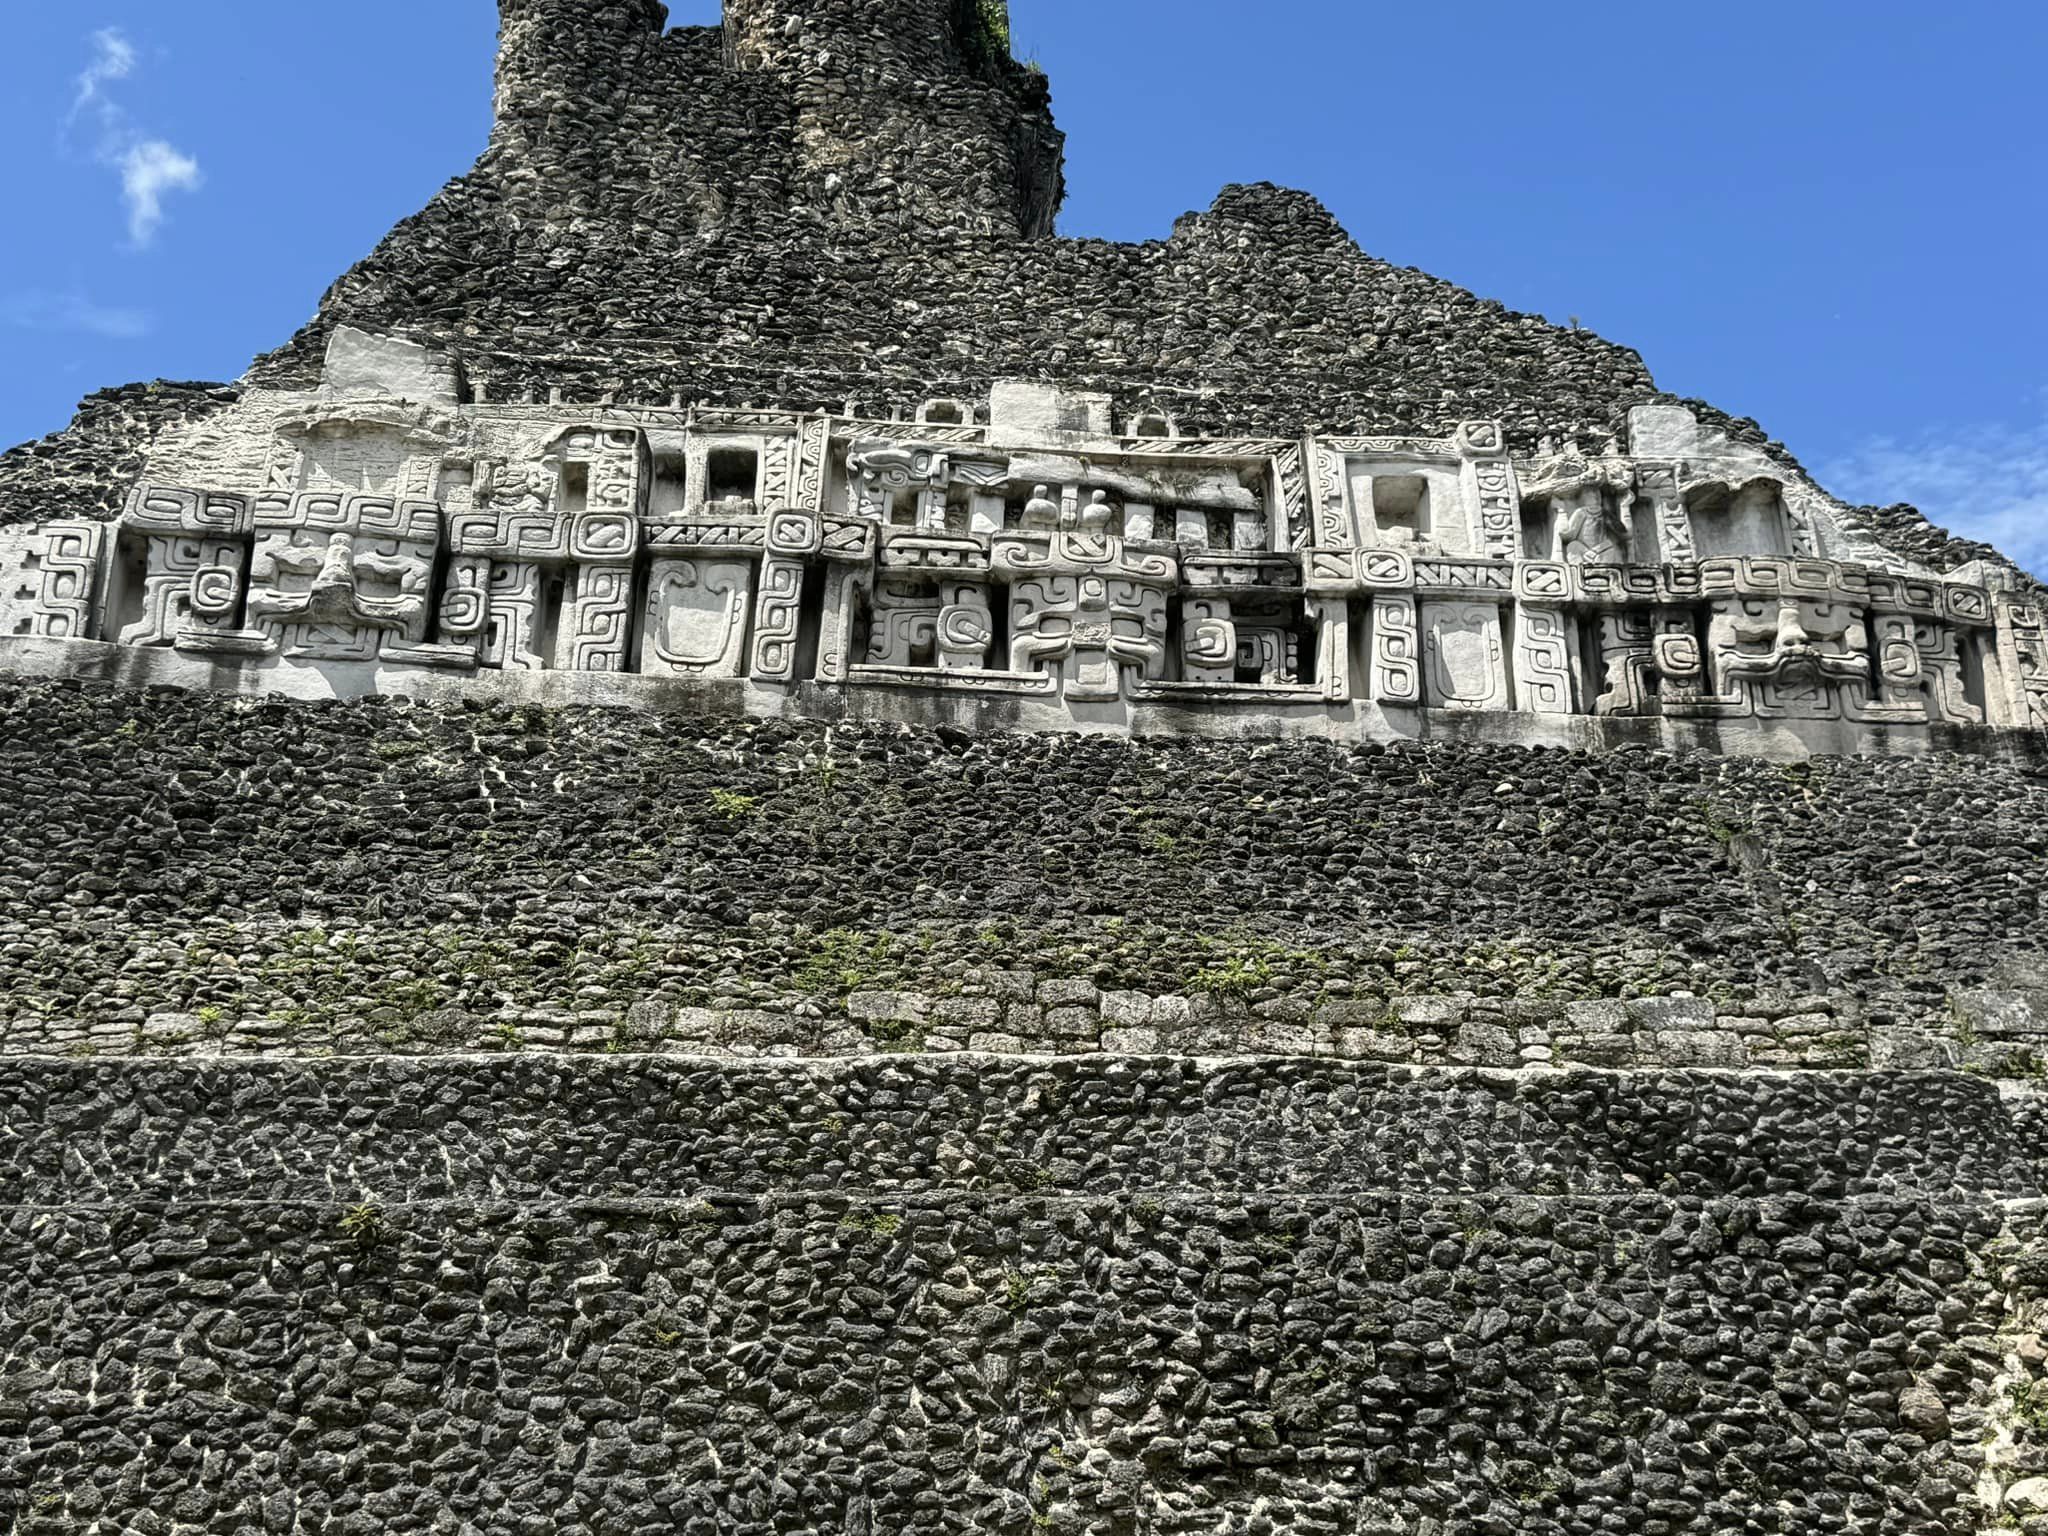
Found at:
[148, 171]
[39, 311]
[1987, 482]
[113, 59]
[149, 167]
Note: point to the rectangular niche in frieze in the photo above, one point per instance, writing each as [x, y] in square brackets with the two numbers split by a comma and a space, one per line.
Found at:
[1403, 504]
[1402, 501]
[668, 491]
[732, 472]
[1738, 520]
[353, 458]
[574, 495]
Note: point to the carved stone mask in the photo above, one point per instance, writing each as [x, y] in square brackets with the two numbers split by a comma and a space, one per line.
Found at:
[301, 575]
[1792, 640]
[333, 580]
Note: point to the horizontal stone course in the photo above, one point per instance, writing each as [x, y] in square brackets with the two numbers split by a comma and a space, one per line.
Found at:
[555, 1128]
[283, 877]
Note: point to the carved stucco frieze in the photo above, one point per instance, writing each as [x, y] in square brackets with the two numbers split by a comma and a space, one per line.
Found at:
[786, 549]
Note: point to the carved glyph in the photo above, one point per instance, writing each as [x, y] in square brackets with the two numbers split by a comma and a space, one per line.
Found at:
[697, 617]
[48, 580]
[1543, 661]
[1466, 666]
[1396, 649]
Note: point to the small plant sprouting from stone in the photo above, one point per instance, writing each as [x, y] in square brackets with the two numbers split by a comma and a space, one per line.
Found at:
[2029, 1401]
[732, 805]
[1017, 1286]
[365, 1227]
[1235, 979]
[1473, 1226]
[1033, 1177]
[844, 961]
[1965, 1026]
[897, 1037]
[988, 38]
[883, 1224]
[1723, 828]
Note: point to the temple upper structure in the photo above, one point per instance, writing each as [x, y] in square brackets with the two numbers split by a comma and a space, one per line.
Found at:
[744, 372]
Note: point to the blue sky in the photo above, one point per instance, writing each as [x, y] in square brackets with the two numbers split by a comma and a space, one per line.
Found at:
[1824, 214]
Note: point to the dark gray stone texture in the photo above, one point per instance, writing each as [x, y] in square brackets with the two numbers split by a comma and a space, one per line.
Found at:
[363, 868]
[553, 1129]
[521, 1297]
[933, 1290]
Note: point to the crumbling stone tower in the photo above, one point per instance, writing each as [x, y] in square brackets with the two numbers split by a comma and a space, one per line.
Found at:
[905, 113]
[751, 849]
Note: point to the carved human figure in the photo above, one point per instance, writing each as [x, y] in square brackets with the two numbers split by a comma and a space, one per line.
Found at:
[1094, 515]
[1586, 535]
[524, 487]
[1041, 512]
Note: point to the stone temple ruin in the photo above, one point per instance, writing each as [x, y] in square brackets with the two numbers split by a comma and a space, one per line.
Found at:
[751, 848]
[391, 531]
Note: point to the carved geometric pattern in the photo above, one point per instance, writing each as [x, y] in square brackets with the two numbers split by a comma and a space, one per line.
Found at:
[1543, 661]
[1396, 649]
[50, 595]
[777, 617]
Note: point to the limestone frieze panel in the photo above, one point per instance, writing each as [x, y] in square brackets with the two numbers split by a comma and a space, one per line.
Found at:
[336, 576]
[49, 577]
[1086, 607]
[1028, 551]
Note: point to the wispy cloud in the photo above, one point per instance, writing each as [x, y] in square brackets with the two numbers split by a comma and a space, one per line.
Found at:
[1986, 482]
[37, 310]
[113, 58]
[149, 167]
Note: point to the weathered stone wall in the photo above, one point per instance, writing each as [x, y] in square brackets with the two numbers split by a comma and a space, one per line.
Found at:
[516, 1120]
[930, 1296]
[87, 469]
[214, 874]
[1102, 1290]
